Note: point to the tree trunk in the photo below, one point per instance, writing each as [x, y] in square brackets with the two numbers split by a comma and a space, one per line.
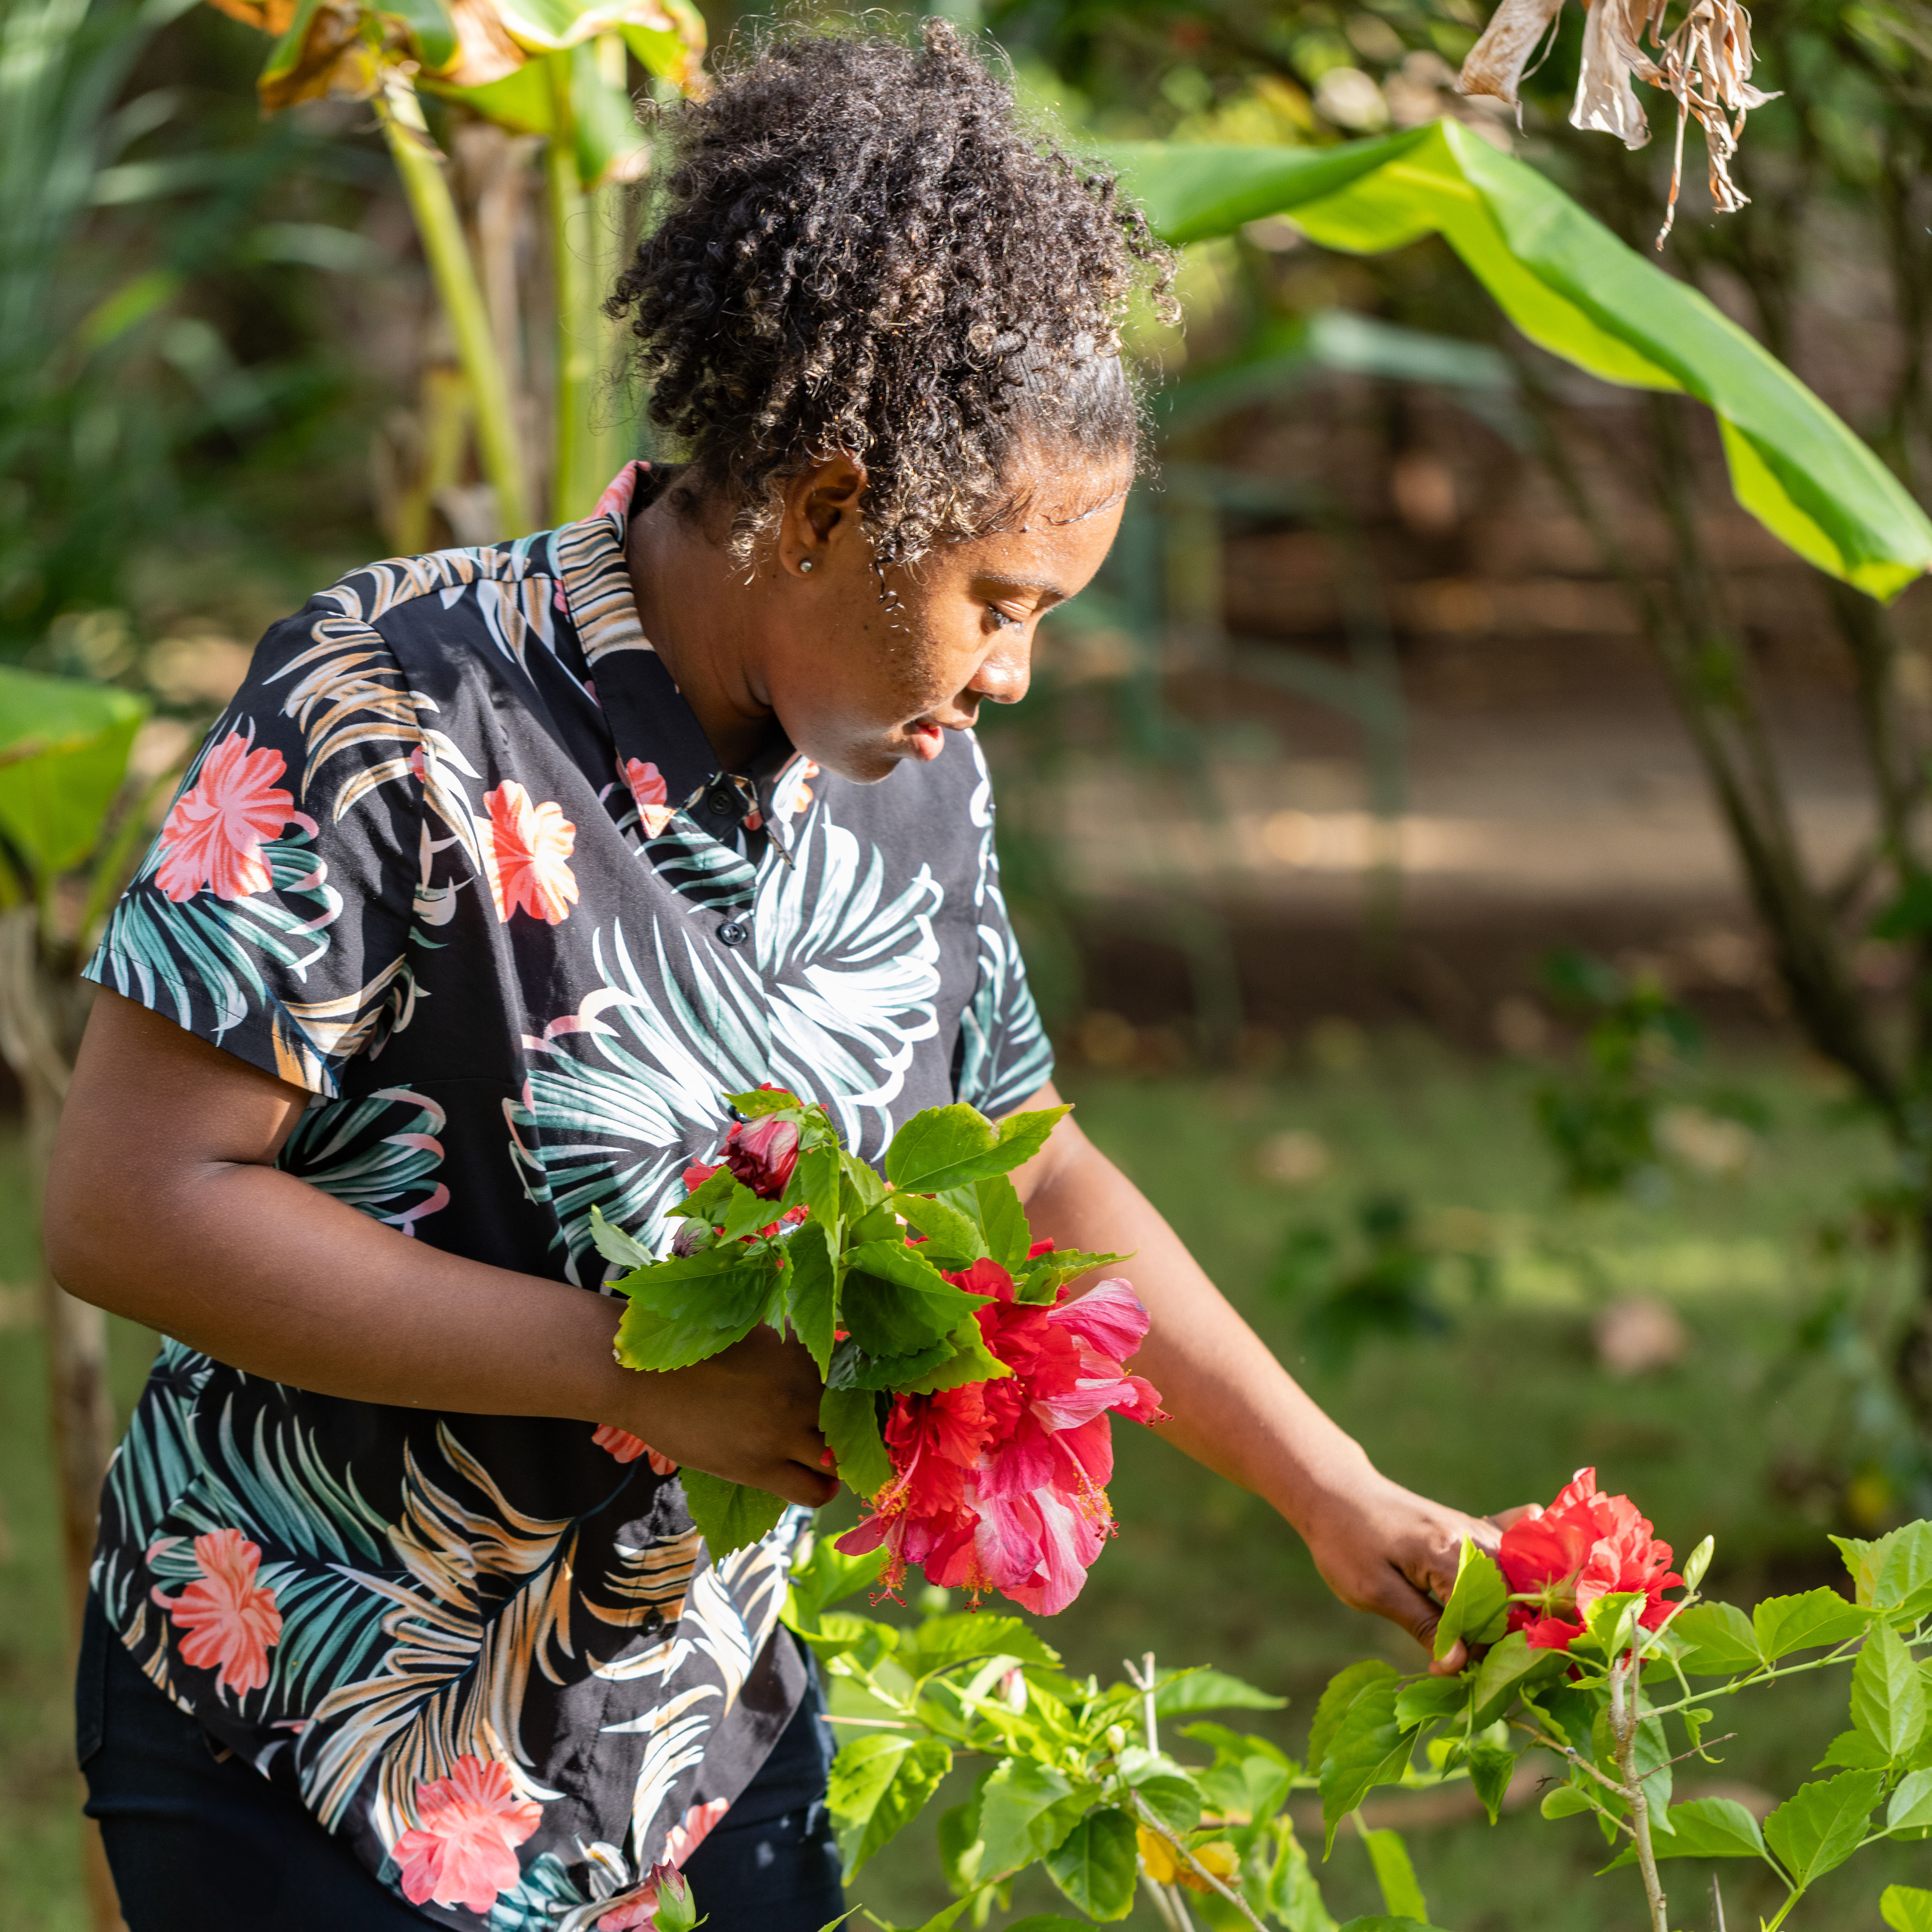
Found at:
[41, 1011]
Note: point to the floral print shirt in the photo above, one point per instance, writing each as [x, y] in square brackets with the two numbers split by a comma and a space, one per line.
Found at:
[459, 860]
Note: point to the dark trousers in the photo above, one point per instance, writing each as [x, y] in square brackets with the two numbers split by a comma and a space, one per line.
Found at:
[202, 1845]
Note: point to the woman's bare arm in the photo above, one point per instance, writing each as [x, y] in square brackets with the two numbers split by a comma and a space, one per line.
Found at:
[1235, 1407]
[163, 1206]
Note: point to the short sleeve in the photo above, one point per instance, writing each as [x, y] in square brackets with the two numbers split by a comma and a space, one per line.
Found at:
[1005, 1057]
[272, 916]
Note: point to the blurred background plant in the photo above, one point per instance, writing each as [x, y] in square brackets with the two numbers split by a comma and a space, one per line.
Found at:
[1365, 720]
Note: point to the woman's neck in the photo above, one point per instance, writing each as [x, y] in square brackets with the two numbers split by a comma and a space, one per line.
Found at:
[701, 608]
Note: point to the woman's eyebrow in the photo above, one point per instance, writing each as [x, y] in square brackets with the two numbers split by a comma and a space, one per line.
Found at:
[1007, 581]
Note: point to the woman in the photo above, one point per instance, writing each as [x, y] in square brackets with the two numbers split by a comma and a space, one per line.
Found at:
[502, 868]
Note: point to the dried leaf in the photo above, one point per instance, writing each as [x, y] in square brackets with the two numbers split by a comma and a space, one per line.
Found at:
[1495, 64]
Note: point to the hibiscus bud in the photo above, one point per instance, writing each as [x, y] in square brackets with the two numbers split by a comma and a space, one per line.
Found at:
[1117, 1739]
[1013, 1690]
[690, 1237]
[677, 1910]
[761, 1154]
[1698, 1562]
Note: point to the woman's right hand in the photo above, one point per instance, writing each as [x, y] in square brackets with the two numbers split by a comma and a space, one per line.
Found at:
[750, 1415]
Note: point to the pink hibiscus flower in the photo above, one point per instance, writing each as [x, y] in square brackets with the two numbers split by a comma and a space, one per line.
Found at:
[231, 1621]
[627, 1448]
[214, 835]
[463, 1852]
[526, 855]
[648, 794]
[1002, 1485]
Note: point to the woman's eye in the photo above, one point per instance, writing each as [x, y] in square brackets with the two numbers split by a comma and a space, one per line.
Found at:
[1004, 620]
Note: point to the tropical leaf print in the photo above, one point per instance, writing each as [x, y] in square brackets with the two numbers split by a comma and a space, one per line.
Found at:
[379, 1153]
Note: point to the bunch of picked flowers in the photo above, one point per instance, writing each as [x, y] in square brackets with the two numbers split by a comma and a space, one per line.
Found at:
[966, 1396]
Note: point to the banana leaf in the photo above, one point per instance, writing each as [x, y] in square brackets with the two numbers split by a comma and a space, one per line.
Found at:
[64, 747]
[1574, 289]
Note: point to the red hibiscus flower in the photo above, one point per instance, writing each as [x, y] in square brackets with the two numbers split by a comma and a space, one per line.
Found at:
[1002, 1485]
[1586, 1545]
[525, 855]
[463, 1850]
[231, 1620]
[761, 1154]
[214, 835]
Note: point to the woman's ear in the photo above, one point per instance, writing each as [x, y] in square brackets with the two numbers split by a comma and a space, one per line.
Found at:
[821, 509]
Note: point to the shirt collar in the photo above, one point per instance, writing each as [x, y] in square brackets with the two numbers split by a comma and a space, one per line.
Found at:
[663, 755]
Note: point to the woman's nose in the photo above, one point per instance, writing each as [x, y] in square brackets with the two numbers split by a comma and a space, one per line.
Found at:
[1005, 672]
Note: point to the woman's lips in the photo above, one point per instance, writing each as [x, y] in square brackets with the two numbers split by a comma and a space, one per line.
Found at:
[927, 739]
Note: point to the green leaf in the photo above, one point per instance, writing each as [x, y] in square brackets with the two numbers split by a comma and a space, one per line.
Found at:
[1573, 289]
[1820, 1825]
[971, 1361]
[1201, 1690]
[1047, 1275]
[1096, 1864]
[1510, 1667]
[1565, 1800]
[949, 1146]
[885, 1319]
[1708, 1828]
[928, 1298]
[1888, 1694]
[729, 1516]
[1426, 1700]
[1491, 1768]
[1395, 1875]
[1722, 1639]
[1174, 1799]
[941, 1641]
[879, 1783]
[1785, 1625]
[764, 1100]
[692, 1307]
[706, 1201]
[1047, 1922]
[614, 1245]
[1854, 1751]
[63, 749]
[1003, 1219]
[812, 1292]
[849, 1421]
[1910, 1809]
[1478, 1606]
[742, 1212]
[1906, 1908]
[1894, 1573]
[1370, 1748]
[952, 1237]
[854, 1368]
[1610, 1622]
[816, 1184]
[1016, 1820]
[1337, 1697]
[1380, 1922]
[933, 1141]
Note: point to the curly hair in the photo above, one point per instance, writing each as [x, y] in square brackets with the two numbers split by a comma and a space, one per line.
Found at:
[860, 248]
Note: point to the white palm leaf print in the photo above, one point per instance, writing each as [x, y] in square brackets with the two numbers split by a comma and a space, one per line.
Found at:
[675, 1734]
[391, 1176]
[842, 985]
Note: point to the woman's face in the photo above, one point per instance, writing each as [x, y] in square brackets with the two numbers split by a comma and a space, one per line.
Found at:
[861, 683]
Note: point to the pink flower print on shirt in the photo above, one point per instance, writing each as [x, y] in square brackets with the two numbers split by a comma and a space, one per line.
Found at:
[214, 835]
[648, 793]
[627, 1448]
[526, 855]
[231, 1621]
[463, 1852]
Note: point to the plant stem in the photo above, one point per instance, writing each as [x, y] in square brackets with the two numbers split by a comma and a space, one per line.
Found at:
[1200, 1870]
[1625, 1722]
[572, 490]
[420, 163]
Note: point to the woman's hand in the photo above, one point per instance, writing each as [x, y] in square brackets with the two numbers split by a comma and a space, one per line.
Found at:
[1383, 1548]
[750, 1415]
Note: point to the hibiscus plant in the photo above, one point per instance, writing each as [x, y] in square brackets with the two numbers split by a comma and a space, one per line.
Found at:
[1581, 1678]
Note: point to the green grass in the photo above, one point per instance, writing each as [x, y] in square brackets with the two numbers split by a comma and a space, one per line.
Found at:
[1499, 1411]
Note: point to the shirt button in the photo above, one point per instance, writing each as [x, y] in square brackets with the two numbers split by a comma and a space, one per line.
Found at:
[733, 932]
[722, 803]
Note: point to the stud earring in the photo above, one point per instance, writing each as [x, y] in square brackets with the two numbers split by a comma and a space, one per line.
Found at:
[805, 566]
